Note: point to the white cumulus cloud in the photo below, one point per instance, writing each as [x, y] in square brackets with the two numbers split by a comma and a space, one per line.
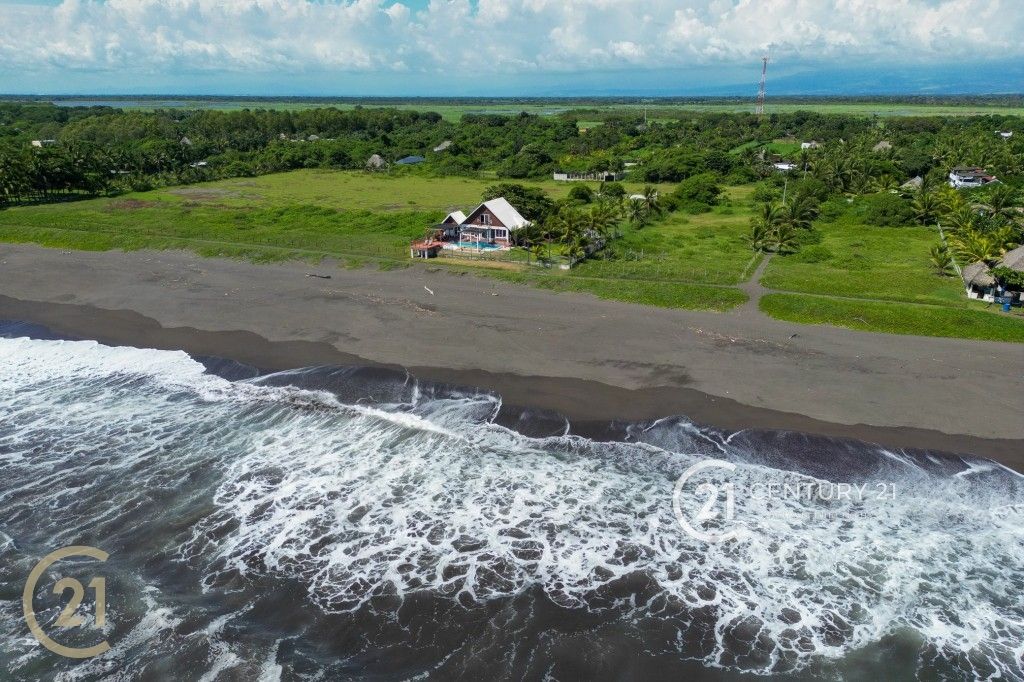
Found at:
[492, 36]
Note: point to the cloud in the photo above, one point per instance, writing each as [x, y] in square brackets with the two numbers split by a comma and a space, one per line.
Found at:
[456, 37]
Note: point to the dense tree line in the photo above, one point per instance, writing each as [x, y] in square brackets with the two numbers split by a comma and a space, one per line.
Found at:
[96, 150]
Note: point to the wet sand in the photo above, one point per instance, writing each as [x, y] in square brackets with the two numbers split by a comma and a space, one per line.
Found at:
[590, 359]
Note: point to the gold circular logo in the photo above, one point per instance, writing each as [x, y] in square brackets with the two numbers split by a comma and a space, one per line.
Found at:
[69, 617]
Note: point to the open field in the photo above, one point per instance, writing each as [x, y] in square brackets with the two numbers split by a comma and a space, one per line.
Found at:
[861, 261]
[657, 109]
[876, 278]
[709, 248]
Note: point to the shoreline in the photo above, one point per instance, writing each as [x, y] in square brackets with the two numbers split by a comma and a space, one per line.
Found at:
[589, 359]
[589, 405]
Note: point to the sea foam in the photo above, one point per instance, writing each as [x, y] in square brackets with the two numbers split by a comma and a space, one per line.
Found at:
[368, 505]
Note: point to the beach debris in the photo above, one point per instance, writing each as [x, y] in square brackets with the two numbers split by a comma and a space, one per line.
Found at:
[313, 274]
[429, 290]
[494, 293]
[793, 335]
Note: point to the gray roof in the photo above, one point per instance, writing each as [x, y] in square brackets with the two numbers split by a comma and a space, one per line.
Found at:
[1013, 259]
[978, 274]
[408, 160]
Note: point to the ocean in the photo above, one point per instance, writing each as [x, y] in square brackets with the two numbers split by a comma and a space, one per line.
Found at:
[351, 523]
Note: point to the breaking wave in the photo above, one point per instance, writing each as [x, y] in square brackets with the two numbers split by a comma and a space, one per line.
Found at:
[407, 511]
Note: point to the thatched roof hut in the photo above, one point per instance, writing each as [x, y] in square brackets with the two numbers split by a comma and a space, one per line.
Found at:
[1013, 259]
[376, 162]
[978, 275]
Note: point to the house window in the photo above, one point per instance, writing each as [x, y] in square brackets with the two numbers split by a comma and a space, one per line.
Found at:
[485, 218]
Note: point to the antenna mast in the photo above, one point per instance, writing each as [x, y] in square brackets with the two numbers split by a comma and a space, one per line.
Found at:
[759, 109]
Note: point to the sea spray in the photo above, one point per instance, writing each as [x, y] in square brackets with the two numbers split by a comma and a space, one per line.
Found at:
[257, 516]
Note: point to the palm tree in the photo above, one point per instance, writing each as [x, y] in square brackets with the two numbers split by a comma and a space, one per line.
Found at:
[800, 212]
[651, 200]
[784, 239]
[886, 182]
[636, 210]
[1001, 202]
[759, 236]
[941, 259]
[962, 218]
[972, 246]
[926, 207]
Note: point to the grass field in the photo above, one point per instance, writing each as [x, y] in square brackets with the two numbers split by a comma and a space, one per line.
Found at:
[860, 261]
[360, 217]
[896, 318]
[873, 278]
[706, 248]
[658, 110]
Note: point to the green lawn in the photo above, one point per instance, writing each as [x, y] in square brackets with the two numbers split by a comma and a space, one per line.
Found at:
[706, 248]
[897, 318]
[861, 261]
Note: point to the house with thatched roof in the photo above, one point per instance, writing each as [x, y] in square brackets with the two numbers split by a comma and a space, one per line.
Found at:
[982, 284]
[979, 282]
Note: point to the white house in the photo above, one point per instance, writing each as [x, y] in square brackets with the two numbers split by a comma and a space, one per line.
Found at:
[604, 176]
[969, 176]
[1005, 134]
[784, 166]
[813, 144]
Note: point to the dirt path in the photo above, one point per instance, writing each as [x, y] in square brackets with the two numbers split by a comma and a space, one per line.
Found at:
[754, 290]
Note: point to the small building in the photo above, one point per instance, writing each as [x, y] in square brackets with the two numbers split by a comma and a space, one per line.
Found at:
[313, 138]
[1005, 134]
[410, 160]
[813, 144]
[882, 146]
[376, 162]
[913, 184]
[602, 176]
[43, 143]
[979, 282]
[425, 248]
[969, 176]
[784, 166]
[451, 223]
[185, 142]
[199, 164]
[443, 146]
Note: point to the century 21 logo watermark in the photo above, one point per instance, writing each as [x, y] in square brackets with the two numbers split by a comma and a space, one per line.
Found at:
[69, 616]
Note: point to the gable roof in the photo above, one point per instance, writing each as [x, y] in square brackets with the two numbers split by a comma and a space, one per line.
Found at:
[410, 160]
[457, 216]
[504, 212]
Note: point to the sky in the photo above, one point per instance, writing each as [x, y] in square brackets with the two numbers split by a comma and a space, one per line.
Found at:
[509, 47]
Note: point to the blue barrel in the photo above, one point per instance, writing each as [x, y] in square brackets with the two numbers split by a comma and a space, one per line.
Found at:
[1006, 305]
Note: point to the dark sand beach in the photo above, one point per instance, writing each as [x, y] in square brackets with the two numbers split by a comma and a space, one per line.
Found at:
[590, 359]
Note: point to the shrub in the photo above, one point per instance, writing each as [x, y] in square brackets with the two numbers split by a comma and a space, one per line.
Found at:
[698, 194]
[581, 193]
[766, 193]
[886, 210]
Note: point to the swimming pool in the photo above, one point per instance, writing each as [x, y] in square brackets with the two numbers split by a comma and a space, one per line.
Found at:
[483, 246]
